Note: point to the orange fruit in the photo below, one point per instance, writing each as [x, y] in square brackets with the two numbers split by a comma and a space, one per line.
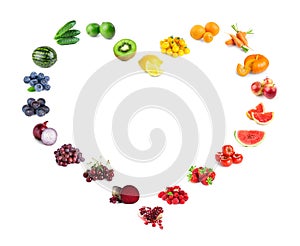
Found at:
[212, 27]
[242, 70]
[197, 32]
[208, 37]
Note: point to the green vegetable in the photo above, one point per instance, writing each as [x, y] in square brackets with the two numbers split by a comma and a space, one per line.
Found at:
[64, 28]
[69, 34]
[67, 41]
[44, 56]
[31, 89]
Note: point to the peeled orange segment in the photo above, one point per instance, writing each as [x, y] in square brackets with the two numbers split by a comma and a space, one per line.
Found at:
[259, 109]
[263, 118]
[242, 70]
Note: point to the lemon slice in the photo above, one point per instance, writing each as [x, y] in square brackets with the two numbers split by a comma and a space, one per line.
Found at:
[151, 64]
[153, 69]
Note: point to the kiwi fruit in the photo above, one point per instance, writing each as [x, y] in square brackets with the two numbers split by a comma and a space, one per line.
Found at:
[125, 49]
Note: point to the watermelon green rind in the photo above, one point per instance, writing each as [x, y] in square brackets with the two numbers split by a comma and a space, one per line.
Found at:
[249, 138]
[44, 56]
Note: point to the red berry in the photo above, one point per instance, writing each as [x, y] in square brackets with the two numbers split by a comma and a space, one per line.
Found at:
[171, 197]
[164, 197]
[185, 197]
[169, 201]
[180, 197]
[182, 201]
[175, 201]
[160, 194]
[176, 194]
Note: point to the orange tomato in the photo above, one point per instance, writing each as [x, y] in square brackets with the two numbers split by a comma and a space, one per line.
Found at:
[212, 27]
[197, 32]
[208, 37]
[258, 63]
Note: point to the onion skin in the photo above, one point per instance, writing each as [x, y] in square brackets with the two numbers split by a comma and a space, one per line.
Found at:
[38, 129]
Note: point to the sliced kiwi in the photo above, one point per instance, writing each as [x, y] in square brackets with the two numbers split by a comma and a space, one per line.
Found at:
[125, 49]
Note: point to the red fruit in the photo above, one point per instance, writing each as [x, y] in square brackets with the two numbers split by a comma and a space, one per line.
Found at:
[175, 194]
[267, 81]
[227, 150]
[175, 201]
[212, 175]
[257, 88]
[170, 197]
[181, 201]
[207, 181]
[160, 194]
[218, 156]
[169, 201]
[185, 197]
[237, 158]
[270, 91]
[194, 179]
[164, 197]
[226, 161]
[195, 170]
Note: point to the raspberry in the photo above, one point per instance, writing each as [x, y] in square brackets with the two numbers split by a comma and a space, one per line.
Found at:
[182, 201]
[169, 201]
[175, 201]
[164, 197]
[171, 197]
[160, 194]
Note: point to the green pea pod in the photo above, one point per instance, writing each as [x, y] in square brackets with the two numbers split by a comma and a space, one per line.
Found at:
[64, 28]
[70, 33]
[67, 41]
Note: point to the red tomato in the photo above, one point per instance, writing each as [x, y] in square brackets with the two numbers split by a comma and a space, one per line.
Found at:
[218, 156]
[226, 161]
[237, 158]
[228, 150]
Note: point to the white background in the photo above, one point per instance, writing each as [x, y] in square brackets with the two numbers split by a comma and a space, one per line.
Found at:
[254, 203]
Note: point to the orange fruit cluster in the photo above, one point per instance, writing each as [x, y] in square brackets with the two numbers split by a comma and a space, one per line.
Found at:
[174, 46]
[206, 32]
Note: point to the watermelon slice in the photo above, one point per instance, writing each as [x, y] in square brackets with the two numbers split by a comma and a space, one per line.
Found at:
[259, 109]
[262, 118]
[249, 138]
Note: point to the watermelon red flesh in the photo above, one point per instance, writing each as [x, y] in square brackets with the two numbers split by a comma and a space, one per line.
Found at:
[262, 118]
[249, 137]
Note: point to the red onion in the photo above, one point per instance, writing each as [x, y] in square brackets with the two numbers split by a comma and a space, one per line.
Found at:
[38, 129]
[129, 194]
[49, 136]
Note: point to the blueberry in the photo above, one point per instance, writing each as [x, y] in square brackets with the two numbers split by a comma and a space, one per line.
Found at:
[40, 76]
[47, 87]
[29, 112]
[43, 82]
[26, 79]
[33, 82]
[33, 75]
[45, 108]
[41, 101]
[47, 78]
[35, 105]
[40, 112]
[25, 107]
[30, 100]
[38, 87]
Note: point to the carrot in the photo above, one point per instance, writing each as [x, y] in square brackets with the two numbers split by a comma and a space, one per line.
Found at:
[239, 43]
[229, 42]
[236, 41]
[242, 35]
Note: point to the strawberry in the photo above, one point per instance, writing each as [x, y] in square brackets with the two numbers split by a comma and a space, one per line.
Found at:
[207, 181]
[194, 179]
[193, 176]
